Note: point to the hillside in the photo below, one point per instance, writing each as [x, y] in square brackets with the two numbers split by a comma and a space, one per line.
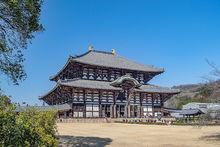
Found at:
[203, 92]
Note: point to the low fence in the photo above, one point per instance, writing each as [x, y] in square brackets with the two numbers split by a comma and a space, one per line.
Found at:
[113, 120]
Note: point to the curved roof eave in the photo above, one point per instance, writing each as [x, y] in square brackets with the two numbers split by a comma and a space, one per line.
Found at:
[49, 92]
[158, 72]
[75, 59]
[95, 54]
[66, 64]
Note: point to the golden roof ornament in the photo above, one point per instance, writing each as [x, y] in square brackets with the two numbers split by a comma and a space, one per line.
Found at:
[91, 48]
[113, 52]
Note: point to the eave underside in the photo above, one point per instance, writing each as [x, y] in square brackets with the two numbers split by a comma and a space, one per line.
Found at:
[70, 85]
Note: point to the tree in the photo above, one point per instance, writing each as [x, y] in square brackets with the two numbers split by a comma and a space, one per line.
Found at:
[30, 128]
[215, 70]
[19, 20]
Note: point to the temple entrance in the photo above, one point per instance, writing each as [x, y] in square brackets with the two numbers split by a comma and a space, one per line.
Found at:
[120, 111]
[105, 110]
[78, 110]
[134, 110]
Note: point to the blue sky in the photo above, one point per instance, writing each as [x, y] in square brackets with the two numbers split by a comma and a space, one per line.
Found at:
[177, 35]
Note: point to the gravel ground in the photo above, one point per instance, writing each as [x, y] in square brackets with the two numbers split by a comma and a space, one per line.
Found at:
[134, 135]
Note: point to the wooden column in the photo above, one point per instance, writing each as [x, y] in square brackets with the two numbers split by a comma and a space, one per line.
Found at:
[114, 109]
[138, 111]
[100, 106]
[84, 99]
[111, 111]
[153, 105]
[129, 111]
[100, 110]
[126, 111]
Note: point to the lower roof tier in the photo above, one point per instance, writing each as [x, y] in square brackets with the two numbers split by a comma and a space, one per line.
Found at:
[102, 85]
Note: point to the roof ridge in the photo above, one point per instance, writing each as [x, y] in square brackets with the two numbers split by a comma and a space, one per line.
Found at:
[105, 52]
[77, 56]
[149, 65]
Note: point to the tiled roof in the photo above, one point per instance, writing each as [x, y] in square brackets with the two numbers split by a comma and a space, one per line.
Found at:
[107, 85]
[184, 111]
[107, 59]
[62, 107]
[190, 111]
[104, 85]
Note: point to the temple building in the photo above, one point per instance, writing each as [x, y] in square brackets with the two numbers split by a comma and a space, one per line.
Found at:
[103, 84]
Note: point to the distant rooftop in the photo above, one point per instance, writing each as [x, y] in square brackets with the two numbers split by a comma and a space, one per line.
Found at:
[61, 107]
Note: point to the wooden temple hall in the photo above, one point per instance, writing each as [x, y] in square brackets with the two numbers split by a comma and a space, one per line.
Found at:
[103, 84]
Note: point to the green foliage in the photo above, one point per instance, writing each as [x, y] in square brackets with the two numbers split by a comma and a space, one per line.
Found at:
[29, 128]
[202, 96]
[8, 130]
[205, 91]
[19, 20]
[182, 101]
[38, 128]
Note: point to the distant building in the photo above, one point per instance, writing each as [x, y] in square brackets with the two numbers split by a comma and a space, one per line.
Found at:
[103, 84]
[181, 113]
[204, 107]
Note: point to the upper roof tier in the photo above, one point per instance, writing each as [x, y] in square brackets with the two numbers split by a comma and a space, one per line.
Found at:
[110, 60]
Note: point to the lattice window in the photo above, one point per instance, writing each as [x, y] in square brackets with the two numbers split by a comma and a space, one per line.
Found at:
[149, 98]
[112, 75]
[105, 75]
[92, 110]
[140, 78]
[110, 96]
[117, 74]
[85, 73]
[78, 110]
[137, 97]
[91, 73]
[80, 95]
[144, 98]
[104, 96]
[99, 74]
[156, 98]
[88, 95]
[95, 96]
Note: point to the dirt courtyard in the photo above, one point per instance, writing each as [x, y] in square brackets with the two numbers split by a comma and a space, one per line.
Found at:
[134, 135]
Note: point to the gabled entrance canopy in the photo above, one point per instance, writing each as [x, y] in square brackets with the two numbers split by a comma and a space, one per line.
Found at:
[125, 80]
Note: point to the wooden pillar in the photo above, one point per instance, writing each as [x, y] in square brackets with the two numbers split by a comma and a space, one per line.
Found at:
[126, 111]
[114, 109]
[153, 105]
[129, 111]
[100, 110]
[138, 111]
[100, 106]
[111, 111]
[84, 99]
[104, 112]
[119, 111]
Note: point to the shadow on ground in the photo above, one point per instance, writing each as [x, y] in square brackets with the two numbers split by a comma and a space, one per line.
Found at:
[213, 137]
[80, 141]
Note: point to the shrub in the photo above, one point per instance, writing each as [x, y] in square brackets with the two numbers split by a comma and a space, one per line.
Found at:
[30, 128]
